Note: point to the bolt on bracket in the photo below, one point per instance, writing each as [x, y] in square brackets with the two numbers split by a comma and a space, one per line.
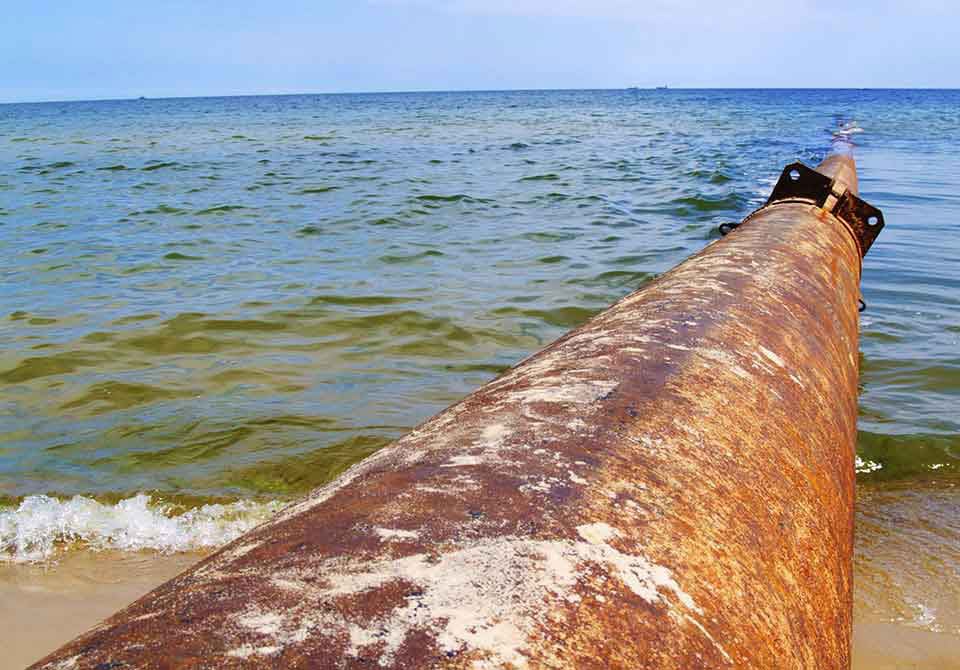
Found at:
[799, 183]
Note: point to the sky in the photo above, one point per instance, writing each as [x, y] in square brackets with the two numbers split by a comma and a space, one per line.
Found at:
[94, 49]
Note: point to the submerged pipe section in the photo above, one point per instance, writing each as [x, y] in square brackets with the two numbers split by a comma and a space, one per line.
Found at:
[669, 485]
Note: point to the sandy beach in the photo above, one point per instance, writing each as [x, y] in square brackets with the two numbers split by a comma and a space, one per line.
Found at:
[905, 614]
[42, 607]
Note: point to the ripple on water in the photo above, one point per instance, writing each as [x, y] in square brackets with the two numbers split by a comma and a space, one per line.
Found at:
[219, 209]
[305, 471]
[456, 197]
[549, 236]
[708, 204]
[550, 260]
[110, 396]
[61, 363]
[909, 455]
[393, 259]
[159, 165]
[616, 279]
[361, 300]
[313, 190]
[564, 317]
[177, 256]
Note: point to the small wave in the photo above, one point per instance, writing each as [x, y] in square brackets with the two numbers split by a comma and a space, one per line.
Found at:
[565, 317]
[164, 209]
[560, 141]
[177, 256]
[704, 203]
[316, 189]
[550, 176]
[150, 167]
[548, 236]
[395, 259]
[36, 367]
[456, 197]
[907, 455]
[713, 177]
[549, 260]
[843, 137]
[864, 466]
[847, 129]
[615, 279]
[360, 300]
[220, 209]
[40, 525]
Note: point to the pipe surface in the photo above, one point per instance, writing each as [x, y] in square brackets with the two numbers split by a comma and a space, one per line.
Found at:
[669, 485]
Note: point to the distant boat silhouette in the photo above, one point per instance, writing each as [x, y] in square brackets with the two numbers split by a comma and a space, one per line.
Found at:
[662, 88]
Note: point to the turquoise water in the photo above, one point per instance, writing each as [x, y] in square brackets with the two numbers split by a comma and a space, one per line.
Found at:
[222, 299]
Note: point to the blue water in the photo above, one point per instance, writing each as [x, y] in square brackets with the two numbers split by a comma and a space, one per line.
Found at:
[222, 298]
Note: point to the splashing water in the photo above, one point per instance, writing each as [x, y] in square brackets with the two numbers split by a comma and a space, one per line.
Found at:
[33, 531]
[842, 142]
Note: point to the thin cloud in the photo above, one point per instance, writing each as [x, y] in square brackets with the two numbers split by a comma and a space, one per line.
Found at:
[671, 11]
[727, 16]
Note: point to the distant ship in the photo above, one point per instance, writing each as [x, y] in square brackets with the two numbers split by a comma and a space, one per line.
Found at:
[662, 88]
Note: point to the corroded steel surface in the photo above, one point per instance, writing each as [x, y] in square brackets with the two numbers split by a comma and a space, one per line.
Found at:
[840, 167]
[668, 486]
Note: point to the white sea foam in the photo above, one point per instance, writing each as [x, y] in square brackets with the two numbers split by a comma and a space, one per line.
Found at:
[843, 137]
[40, 525]
[864, 466]
[848, 128]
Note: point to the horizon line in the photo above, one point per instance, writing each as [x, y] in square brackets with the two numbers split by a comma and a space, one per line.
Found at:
[479, 90]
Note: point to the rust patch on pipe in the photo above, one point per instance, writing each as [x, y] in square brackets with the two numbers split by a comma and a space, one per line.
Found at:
[668, 486]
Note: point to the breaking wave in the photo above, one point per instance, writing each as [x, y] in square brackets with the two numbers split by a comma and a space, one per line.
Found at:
[847, 128]
[36, 529]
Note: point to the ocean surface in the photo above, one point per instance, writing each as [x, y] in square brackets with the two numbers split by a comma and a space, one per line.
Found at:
[213, 305]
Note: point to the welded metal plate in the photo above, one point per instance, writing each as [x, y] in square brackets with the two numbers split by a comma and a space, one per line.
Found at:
[798, 182]
[864, 220]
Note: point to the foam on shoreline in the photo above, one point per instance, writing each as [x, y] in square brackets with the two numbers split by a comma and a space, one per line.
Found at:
[40, 526]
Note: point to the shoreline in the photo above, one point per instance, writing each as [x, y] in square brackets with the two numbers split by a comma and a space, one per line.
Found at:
[903, 616]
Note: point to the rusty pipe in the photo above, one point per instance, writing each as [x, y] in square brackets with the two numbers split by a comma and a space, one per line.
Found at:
[669, 485]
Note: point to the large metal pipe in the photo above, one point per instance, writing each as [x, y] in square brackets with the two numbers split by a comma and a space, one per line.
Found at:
[668, 486]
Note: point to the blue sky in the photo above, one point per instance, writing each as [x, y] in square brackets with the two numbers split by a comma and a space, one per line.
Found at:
[57, 50]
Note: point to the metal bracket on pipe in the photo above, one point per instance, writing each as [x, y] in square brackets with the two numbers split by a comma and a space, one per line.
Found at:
[803, 184]
[865, 220]
[799, 183]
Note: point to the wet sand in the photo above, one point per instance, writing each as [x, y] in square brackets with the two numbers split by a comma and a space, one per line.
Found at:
[43, 607]
[907, 577]
[906, 606]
